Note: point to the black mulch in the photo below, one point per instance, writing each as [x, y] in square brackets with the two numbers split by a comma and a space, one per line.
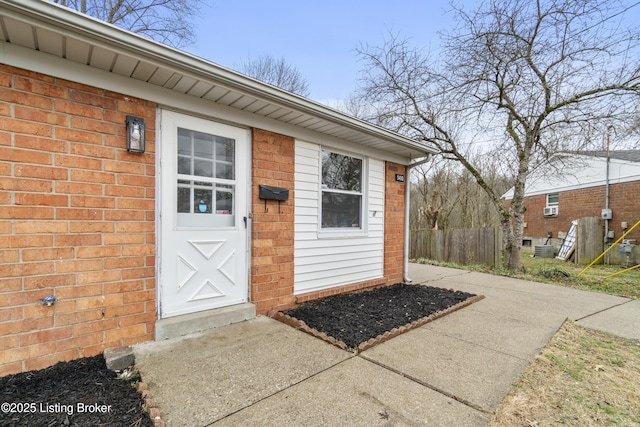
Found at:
[82, 392]
[355, 318]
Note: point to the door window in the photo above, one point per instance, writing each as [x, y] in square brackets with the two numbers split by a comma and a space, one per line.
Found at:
[205, 180]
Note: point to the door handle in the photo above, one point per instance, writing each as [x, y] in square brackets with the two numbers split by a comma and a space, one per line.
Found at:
[244, 218]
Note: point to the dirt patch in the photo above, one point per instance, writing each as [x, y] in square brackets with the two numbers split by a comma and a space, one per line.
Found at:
[358, 319]
[82, 392]
[581, 378]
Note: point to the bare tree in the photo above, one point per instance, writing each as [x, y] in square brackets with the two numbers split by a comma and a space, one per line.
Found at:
[167, 21]
[535, 77]
[276, 72]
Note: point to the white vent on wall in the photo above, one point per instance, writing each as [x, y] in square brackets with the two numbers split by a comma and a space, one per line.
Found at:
[550, 211]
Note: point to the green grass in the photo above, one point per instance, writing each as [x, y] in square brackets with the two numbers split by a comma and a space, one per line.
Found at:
[558, 272]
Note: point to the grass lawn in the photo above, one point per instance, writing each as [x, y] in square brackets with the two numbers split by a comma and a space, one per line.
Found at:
[558, 272]
[583, 377]
[552, 270]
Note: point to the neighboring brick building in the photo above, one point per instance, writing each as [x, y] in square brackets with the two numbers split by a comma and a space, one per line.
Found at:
[557, 196]
[138, 243]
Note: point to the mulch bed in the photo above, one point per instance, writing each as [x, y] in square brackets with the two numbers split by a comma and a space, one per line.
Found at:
[357, 321]
[83, 392]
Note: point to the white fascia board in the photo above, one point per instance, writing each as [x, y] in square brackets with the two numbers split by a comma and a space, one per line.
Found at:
[28, 59]
[111, 37]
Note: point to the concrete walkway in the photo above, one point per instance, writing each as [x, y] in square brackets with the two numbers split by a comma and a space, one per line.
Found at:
[451, 372]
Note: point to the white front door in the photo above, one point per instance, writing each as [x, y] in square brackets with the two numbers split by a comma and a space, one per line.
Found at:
[203, 259]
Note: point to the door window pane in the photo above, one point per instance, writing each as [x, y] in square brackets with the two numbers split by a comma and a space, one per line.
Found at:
[224, 200]
[205, 186]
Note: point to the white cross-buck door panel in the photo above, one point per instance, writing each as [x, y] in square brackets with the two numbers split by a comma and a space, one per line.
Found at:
[203, 214]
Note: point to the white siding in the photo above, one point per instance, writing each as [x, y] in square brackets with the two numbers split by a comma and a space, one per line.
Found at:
[323, 262]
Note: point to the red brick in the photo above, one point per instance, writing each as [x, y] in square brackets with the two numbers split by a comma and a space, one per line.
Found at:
[79, 214]
[27, 241]
[25, 325]
[26, 269]
[77, 162]
[41, 254]
[10, 369]
[78, 317]
[24, 156]
[126, 332]
[77, 266]
[23, 98]
[124, 167]
[78, 240]
[93, 327]
[25, 185]
[91, 227]
[45, 336]
[49, 360]
[124, 191]
[79, 342]
[78, 291]
[91, 150]
[45, 172]
[91, 125]
[53, 281]
[124, 262]
[93, 177]
[11, 313]
[77, 109]
[99, 276]
[92, 99]
[26, 127]
[78, 188]
[39, 199]
[34, 227]
[40, 88]
[93, 202]
[123, 286]
[102, 301]
[23, 353]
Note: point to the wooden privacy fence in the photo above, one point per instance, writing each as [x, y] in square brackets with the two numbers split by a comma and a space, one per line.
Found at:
[463, 246]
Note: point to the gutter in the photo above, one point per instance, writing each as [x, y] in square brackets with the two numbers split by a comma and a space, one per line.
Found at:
[407, 204]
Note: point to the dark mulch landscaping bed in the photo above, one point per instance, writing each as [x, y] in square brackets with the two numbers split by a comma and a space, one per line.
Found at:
[82, 392]
[356, 318]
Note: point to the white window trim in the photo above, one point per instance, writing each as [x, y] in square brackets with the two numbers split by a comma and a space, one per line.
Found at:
[342, 233]
[554, 204]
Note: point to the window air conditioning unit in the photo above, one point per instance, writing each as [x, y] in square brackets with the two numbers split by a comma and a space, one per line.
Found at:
[550, 211]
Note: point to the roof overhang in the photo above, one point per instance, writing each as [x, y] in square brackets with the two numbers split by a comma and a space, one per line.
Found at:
[47, 28]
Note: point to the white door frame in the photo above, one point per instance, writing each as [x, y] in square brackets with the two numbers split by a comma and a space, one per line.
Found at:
[165, 194]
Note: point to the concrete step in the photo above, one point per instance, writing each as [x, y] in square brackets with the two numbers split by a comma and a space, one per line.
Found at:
[177, 326]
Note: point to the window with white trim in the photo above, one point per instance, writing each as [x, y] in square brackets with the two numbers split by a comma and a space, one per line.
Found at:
[552, 199]
[341, 191]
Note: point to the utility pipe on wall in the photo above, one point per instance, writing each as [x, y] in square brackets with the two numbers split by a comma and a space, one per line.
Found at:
[407, 205]
[606, 196]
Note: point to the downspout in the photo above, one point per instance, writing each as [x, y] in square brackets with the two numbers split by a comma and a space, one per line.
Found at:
[407, 203]
[606, 191]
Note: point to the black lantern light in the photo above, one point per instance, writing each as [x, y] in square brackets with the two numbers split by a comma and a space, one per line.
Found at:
[135, 134]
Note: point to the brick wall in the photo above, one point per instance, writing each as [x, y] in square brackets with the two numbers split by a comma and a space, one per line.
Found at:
[575, 204]
[394, 197]
[271, 280]
[76, 221]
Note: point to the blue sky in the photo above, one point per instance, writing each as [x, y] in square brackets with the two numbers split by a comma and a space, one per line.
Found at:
[319, 38]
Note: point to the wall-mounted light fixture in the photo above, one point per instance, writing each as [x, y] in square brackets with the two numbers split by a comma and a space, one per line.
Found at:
[135, 134]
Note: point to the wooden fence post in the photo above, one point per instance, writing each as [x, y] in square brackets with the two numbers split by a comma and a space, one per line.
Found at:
[589, 239]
